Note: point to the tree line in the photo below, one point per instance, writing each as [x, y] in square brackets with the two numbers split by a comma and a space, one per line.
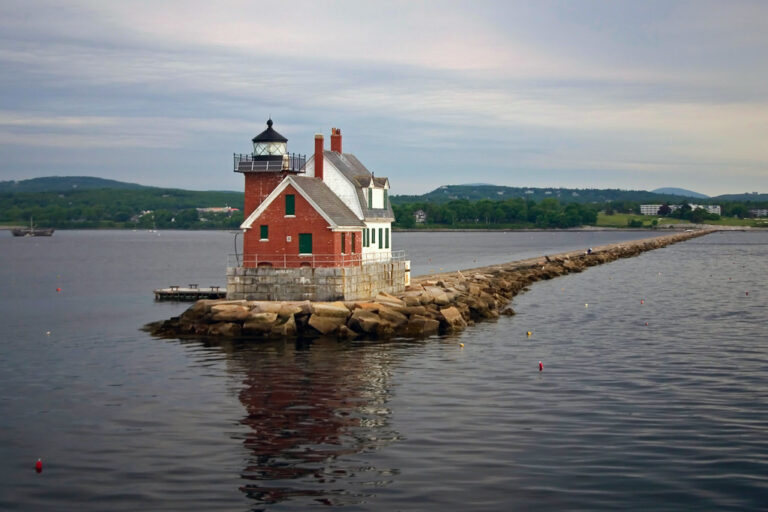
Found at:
[113, 208]
[512, 213]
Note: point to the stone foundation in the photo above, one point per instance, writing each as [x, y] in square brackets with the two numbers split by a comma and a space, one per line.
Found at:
[315, 284]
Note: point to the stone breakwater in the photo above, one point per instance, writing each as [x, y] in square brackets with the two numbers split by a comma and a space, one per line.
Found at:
[435, 304]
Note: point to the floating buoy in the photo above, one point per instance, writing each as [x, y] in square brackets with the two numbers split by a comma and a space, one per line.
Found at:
[47, 333]
[586, 305]
[58, 290]
[39, 466]
[642, 301]
[747, 293]
[646, 323]
[461, 345]
[529, 333]
[541, 366]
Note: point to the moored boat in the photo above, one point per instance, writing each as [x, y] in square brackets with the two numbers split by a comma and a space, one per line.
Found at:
[32, 231]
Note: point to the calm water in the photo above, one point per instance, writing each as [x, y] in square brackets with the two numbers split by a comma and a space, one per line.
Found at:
[666, 416]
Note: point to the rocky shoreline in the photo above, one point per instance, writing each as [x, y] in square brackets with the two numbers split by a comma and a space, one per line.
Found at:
[435, 304]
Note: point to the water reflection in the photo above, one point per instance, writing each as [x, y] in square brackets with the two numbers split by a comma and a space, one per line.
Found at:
[310, 408]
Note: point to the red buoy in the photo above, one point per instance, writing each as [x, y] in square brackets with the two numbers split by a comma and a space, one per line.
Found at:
[39, 466]
[541, 366]
[747, 294]
[58, 289]
[642, 301]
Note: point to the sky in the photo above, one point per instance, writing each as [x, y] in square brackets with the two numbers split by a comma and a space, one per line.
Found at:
[576, 94]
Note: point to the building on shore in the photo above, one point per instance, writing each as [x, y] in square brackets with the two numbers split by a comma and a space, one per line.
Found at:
[653, 209]
[758, 212]
[317, 228]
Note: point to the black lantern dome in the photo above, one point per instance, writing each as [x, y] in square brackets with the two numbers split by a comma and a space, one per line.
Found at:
[270, 153]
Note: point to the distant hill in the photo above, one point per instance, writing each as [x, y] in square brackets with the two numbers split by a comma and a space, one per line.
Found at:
[753, 197]
[64, 183]
[680, 192]
[564, 195]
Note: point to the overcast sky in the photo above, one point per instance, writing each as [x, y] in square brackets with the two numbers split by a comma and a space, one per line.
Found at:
[611, 94]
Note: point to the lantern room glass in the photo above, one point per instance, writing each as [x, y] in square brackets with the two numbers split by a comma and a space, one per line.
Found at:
[269, 148]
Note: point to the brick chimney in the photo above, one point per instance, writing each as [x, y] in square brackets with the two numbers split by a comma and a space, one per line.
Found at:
[336, 140]
[319, 156]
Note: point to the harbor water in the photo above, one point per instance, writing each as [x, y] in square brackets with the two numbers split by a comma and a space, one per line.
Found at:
[653, 394]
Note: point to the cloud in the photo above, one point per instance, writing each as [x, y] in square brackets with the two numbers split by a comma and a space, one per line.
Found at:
[650, 87]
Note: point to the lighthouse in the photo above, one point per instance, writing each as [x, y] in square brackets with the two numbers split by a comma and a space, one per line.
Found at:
[316, 228]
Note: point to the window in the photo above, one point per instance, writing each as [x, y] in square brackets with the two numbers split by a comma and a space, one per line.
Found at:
[290, 204]
[305, 243]
[354, 243]
[386, 238]
[385, 198]
[365, 237]
[264, 232]
[370, 198]
[343, 244]
[380, 238]
[373, 235]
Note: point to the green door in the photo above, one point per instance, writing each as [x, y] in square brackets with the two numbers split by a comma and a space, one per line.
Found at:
[305, 243]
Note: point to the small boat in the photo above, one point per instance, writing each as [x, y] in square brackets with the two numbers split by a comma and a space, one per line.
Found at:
[32, 231]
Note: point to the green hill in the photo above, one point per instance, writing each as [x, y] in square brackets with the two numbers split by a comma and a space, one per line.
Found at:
[478, 192]
[64, 183]
[83, 202]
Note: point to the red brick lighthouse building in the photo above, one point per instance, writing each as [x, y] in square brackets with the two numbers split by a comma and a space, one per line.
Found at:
[316, 228]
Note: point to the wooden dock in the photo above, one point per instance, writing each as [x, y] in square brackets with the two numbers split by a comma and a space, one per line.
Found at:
[189, 293]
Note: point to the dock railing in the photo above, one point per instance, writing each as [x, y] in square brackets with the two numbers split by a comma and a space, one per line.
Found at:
[312, 260]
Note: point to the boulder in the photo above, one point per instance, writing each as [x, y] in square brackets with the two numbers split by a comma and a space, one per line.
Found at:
[330, 309]
[346, 333]
[288, 310]
[260, 322]
[225, 330]
[411, 301]
[368, 306]
[326, 324]
[438, 295]
[287, 328]
[229, 313]
[388, 300]
[452, 319]
[420, 326]
[265, 306]
[394, 317]
[414, 310]
[364, 320]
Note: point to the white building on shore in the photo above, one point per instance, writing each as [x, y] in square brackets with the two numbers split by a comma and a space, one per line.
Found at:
[653, 209]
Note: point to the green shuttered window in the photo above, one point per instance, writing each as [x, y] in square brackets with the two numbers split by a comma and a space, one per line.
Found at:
[305, 243]
[380, 239]
[343, 243]
[386, 238]
[290, 204]
[264, 232]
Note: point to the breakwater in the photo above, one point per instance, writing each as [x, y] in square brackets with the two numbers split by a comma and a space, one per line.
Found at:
[434, 304]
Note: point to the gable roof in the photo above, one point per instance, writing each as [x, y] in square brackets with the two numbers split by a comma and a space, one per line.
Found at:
[360, 177]
[317, 193]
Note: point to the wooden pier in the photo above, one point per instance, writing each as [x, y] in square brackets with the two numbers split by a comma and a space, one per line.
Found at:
[189, 293]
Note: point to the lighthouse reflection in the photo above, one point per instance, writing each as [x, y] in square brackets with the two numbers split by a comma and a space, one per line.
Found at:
[313, 411]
